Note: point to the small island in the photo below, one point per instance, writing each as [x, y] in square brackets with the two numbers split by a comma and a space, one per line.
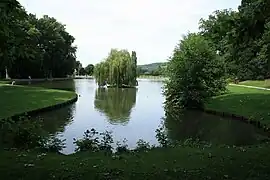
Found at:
[118, 70]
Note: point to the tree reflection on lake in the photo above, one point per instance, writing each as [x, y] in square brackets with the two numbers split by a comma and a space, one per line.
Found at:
[210, 128]
[115, 103]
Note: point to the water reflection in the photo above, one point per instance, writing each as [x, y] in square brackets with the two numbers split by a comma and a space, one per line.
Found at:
[54, 122]
[210, 128]
[115, 103]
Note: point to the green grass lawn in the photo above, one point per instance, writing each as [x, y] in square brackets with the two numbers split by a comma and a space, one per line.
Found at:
[5, 82]
[248, 102]
[170, 163]
[20, 99]
[262, 83]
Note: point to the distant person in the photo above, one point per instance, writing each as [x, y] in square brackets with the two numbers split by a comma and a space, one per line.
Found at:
[29, 77]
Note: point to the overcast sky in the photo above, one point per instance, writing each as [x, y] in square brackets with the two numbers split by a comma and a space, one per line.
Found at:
[150, 27]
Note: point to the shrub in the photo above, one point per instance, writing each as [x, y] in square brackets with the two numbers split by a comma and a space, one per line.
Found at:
[89, 142]
[27, 134]
[122, 147]
[106, 141]
[54, 144]
[195, 74]
[162, 137]
[142, 145]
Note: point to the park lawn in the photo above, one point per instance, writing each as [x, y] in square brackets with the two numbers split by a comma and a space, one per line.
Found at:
[19, 99]
[257, 83]
[167, 163]
[5, 82]
[247, 102]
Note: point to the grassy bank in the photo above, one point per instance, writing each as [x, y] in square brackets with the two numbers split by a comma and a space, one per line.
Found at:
[247, 102]
[262, 83]
[174, 163]
[4, 82]
[20, 99]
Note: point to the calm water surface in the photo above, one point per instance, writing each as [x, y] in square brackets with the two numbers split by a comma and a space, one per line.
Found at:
[135, 114]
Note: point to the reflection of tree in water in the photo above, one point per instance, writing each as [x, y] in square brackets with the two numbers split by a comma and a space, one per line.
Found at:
[116, 103]
[55, 121]
[210, 128]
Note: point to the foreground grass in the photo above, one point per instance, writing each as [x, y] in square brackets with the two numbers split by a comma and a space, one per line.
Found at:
[262, 83]
[20, 99]
[247, 102]
[171, 163]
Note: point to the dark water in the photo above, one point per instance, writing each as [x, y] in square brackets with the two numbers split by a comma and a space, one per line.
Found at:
[135, 114]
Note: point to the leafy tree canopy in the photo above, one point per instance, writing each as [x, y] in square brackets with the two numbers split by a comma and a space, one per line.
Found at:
[195, 74]
[118, 69]
[31, 46]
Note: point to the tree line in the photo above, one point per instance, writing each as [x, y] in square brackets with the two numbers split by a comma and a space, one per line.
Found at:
[242, 38]
[230, 45]
[31, 46]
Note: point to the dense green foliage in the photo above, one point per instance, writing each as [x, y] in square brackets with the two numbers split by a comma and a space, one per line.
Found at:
[89, 69]
[242, 38]
[195, 74]
[31, 46]
[118, 69]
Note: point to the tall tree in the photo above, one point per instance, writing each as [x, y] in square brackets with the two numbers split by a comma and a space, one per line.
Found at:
[195, 74]
[33, 47]
[89, 69]
[118, 69]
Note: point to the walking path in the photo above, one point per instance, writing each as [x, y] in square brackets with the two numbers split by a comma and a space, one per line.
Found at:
[254, 87]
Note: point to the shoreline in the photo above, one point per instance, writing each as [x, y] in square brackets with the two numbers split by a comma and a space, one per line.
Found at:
[45, 79]
[45, 108]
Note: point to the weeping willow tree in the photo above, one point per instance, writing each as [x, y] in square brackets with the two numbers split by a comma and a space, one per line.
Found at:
[117, 70]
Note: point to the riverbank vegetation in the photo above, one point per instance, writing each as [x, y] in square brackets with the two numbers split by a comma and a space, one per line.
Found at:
[20, 99]
[195, 74]
[119, 69]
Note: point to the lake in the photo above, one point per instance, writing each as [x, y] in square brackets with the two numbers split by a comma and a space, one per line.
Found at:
[135, 114]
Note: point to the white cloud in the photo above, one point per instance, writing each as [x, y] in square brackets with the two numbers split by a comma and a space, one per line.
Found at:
[150, 27]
